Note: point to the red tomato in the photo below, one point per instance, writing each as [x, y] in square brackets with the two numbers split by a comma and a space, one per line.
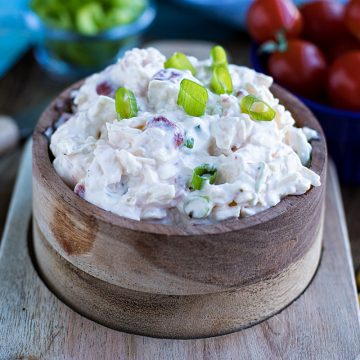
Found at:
[352, 17]
[301, 68]
[323, 21]
[343, 83]
[348, 43]
[266, 17]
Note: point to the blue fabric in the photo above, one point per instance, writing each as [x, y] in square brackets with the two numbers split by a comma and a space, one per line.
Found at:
[12, 43]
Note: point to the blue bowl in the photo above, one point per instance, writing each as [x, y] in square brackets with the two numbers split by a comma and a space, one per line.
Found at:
[341, 127]
[70, 54]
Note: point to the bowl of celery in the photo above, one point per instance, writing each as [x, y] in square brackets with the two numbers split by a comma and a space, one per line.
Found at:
[80, 37]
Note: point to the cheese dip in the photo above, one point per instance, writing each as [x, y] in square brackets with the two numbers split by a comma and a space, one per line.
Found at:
[190, 137]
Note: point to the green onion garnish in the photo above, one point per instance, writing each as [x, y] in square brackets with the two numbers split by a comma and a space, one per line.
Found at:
[88, 17]
[179, 61]
[189, 143]
[221, 82]
[198, 207]
[202, 173]
[260, 177]
[256, 108]
[218, 56]
[125, 102]
[192, 97]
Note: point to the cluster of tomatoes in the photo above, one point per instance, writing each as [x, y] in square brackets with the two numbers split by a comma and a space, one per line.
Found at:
[314, 50]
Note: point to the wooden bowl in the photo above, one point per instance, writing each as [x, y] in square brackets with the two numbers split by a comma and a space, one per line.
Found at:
[169, 280]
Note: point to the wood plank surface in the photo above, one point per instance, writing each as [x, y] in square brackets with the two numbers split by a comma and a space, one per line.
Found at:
[351, 196]
[8, 170]
[322, 324]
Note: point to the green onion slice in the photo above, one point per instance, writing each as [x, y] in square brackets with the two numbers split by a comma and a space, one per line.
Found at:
[198, 207]
[218, 56]
[179, 61]
[192, 97]
[88, 18]
[189, 143]
[202, 173]
[125, 103]
[260, 177]
[256, 108]
[221, 82]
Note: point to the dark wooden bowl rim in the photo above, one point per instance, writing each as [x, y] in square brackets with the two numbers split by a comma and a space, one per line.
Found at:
[300, 112]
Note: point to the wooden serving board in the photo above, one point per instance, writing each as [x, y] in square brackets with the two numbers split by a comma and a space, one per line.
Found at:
[322, 324]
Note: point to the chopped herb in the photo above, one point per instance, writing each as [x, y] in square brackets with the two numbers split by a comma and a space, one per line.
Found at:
[260, 177]
[125, 102]
[189, 143]
[256, 108]
[192, 97]
[198, 207]
[218, 56]
[179, 61]
[201, 174]
[221, 82]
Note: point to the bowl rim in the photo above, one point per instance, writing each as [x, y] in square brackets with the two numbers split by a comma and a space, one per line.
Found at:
[257, 65]
[43, 168]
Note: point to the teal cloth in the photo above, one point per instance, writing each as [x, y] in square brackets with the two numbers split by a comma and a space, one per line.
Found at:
[12, 43]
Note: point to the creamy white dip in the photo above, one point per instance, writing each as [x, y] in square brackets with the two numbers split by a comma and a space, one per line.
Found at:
[139, 168]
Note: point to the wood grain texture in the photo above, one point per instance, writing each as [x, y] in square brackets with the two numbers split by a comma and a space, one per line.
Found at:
[179, 280]
[351, 196]
[322, 324]
[8, 169]
[172, 316]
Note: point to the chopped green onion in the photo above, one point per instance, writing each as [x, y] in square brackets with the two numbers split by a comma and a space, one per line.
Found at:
[179, 61]
[198, 207]
[260, 177]
[192, 97]
[125, 103]
[218, 56]
[189, 143]
[88, 17]
[256, 108]
[221, 82]
[202, 173]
